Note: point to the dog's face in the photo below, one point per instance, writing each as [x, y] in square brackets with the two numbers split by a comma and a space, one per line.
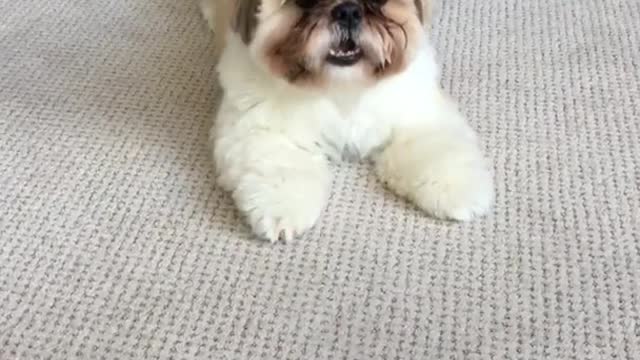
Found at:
[314, 42]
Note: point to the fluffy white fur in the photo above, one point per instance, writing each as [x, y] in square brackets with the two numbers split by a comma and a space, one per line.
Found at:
[272, 142]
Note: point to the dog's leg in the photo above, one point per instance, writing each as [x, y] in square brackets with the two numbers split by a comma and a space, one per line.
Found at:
[280, 187]
[438, 165]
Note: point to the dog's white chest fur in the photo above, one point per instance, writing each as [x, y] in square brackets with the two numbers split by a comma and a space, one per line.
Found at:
[340, 121]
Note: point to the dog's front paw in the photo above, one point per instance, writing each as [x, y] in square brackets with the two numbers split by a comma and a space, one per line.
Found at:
[282, 208]
[448, 179]
[454, 191]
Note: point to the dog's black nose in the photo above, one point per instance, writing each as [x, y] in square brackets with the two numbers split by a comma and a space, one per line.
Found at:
[348, 15]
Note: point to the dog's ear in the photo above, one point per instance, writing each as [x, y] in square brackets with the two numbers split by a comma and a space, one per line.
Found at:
[217, 13]
[245, 18]
[424, 9]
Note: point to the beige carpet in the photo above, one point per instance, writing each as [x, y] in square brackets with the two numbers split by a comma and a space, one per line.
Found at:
[115, 243]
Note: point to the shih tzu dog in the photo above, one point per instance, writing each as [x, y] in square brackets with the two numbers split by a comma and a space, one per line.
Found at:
[307, 82]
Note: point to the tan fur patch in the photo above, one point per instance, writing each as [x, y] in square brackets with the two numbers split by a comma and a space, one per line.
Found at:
[391, 36]
[424, 11]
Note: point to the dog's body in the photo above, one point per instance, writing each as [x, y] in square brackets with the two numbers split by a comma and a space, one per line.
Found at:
[274, 134]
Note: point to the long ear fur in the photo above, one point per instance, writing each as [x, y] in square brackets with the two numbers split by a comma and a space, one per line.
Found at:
[425, 11]
[245, 18]
[240, 16]
[216, 12]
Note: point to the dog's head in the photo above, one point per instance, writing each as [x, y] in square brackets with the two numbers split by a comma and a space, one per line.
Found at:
[312, 42]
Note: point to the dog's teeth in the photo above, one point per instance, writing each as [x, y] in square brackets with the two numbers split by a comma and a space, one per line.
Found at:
[343, 53]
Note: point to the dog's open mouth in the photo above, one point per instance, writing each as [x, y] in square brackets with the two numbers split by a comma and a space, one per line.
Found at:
[346, 53]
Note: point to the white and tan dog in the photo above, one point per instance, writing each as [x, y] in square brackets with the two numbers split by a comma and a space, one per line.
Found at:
[310, 81]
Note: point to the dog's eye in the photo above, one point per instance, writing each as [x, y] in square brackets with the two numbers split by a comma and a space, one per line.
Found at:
[378, 2]
[306, 4]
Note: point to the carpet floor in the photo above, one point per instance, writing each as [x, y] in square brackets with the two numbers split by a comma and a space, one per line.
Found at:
[116, 244]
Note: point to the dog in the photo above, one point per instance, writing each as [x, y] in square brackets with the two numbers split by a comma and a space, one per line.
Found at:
[309, 82]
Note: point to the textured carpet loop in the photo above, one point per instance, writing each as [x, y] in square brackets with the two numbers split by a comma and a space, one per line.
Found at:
[115, 243]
